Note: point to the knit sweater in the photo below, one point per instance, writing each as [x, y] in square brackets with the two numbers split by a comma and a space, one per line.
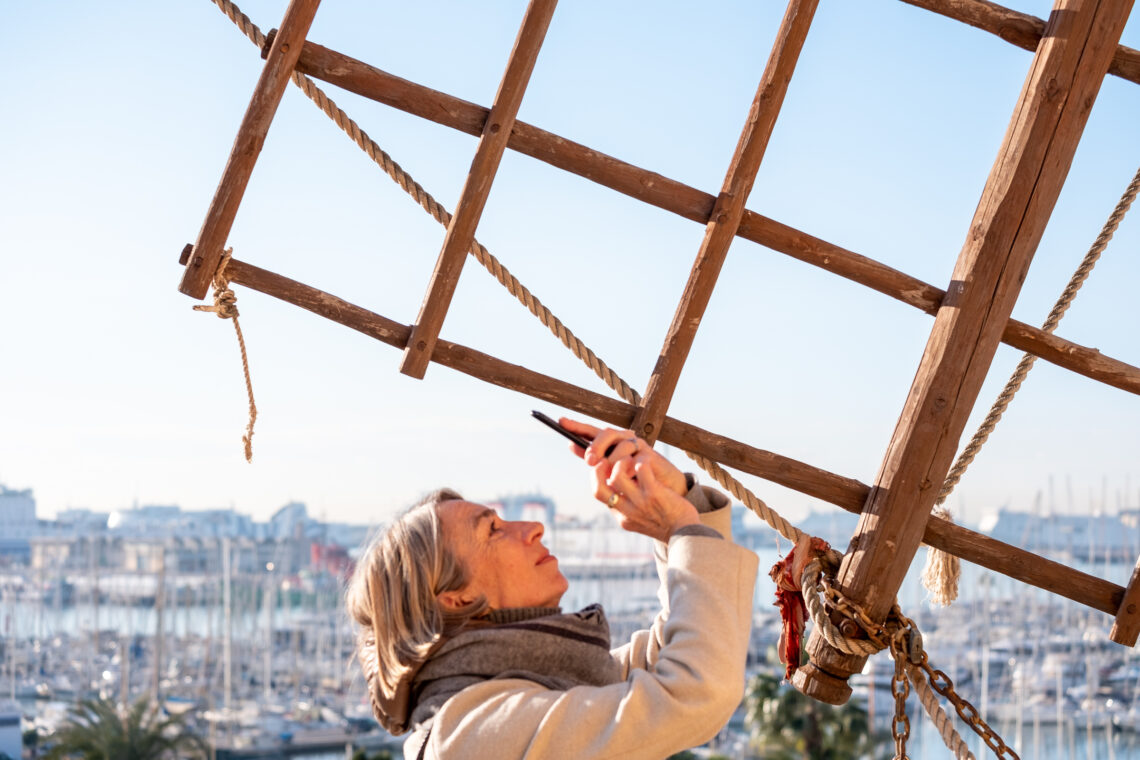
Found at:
[680, 682]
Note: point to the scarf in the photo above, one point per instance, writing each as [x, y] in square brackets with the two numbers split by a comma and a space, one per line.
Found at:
[558, 651]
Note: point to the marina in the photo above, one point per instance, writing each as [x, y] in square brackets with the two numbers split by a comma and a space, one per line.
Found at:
[261, 662]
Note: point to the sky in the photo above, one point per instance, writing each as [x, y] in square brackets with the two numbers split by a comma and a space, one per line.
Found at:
[119, 118]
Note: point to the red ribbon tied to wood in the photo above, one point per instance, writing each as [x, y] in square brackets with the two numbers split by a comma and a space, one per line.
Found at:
[793, 612]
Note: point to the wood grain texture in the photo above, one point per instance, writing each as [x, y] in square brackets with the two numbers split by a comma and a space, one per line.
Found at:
[725, 217]
[1020, 29]
[1126, 627]
[1018, 198]
[282, 58]
[847, 493]
[473, 198]
[662, 192]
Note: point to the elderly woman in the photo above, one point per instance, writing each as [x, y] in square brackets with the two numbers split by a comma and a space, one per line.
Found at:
[462, 640]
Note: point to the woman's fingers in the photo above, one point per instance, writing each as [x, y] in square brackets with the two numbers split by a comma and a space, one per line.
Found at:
[610, 444]
[581, 428]
[623, 477]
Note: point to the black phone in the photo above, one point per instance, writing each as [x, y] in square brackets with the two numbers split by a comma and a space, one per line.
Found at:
[553, 425]
[574, 437]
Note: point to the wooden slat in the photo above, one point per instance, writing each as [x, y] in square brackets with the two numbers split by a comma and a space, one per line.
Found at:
[251, 134]
[725, 218]
[668, 194]
[847, 493]
[1018, 198]
[1126, 627]
[1021, 29]
[473, 198]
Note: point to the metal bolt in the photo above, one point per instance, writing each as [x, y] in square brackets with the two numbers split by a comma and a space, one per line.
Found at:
[421, 345]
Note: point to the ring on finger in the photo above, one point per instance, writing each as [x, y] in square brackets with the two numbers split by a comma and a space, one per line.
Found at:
[615, 497]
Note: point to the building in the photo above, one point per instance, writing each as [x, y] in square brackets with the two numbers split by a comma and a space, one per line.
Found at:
[18, 523]
[1087, 538]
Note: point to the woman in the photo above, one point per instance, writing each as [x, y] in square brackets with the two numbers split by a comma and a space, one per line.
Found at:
[462, 640]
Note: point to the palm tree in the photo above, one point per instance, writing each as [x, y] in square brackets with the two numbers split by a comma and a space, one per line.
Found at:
[97, 730]
[786, 725]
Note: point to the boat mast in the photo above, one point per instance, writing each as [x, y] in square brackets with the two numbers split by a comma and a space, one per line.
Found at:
[227, 642]
[159, 601]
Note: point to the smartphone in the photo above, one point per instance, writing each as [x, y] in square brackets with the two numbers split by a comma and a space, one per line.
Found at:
[553, 425]
[577, 439]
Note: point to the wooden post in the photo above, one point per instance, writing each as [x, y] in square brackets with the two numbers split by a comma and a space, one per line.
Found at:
[1020, 29]
[725, 218]
[847, 493]
[1019, 196]
[461, 231]
[662, 192]
[1126, 627]
[247, 146]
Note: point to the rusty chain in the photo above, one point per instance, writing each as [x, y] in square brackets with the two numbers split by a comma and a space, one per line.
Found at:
[901, 636]
[900, 688]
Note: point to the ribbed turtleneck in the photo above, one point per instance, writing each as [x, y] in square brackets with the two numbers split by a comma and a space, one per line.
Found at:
[519, 614]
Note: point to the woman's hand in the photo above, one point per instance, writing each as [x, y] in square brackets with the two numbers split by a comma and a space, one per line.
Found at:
[644, 504]
[625, 445]
[643, 487]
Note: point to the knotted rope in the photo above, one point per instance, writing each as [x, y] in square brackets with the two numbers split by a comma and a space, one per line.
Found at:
[940, 577]
[225, 306]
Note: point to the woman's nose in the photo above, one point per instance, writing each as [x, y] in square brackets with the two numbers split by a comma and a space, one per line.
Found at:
[532, 531]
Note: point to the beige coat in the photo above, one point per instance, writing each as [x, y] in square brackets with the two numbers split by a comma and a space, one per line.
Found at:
[684, 677]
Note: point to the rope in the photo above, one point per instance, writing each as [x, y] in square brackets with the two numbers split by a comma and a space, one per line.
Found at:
[225, 306]
[1055, 316]
[501, 273]
[942, 594]
[437, 211]
[950, 736]
[809, 584]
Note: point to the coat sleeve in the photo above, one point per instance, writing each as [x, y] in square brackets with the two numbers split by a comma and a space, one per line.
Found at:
[641, 651]
[682, 700]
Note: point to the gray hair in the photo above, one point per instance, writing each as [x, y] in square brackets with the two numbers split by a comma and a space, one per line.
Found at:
[393, 596]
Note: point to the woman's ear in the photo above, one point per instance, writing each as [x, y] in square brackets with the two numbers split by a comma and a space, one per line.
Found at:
[453, 600]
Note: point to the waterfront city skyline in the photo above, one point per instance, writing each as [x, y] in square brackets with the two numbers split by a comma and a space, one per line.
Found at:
[114, 392]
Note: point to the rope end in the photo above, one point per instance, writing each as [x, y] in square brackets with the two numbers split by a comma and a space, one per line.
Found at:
[940, 575]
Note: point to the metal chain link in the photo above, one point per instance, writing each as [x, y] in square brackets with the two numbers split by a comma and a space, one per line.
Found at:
[942, 684]
[900, 634]
[900, 687]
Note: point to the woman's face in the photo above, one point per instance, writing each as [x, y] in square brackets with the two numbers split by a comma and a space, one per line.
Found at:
[507, 562]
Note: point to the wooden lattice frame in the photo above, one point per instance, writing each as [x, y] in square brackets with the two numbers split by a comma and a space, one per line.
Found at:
[1074, 51]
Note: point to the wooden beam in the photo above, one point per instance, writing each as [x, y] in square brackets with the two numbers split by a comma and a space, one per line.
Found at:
[1021, 29]
[473, 198]
[688, 202]
[251, 134]
[1018, 198]
[847, 493]
[726, 215]
[1126, 627]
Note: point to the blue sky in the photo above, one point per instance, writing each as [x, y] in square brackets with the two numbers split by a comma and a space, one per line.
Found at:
[119, 119]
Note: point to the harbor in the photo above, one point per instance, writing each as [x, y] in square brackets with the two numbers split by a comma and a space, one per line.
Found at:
[259, 658]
